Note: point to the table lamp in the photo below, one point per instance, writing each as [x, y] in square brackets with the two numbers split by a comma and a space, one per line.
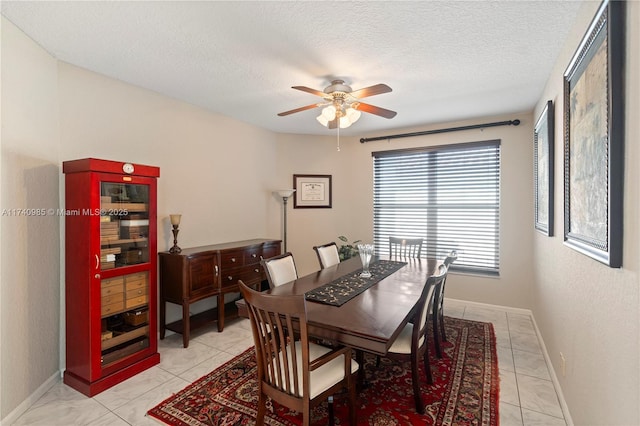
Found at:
[175, 221]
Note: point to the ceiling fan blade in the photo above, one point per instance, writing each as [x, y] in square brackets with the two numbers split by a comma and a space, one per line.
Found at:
[310, 90]
[304, 108]
[371, 90]
[386, 113]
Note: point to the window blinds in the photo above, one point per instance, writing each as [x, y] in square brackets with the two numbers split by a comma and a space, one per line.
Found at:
[447, 195]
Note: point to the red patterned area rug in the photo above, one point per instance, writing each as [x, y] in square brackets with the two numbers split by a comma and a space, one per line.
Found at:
[464, 392]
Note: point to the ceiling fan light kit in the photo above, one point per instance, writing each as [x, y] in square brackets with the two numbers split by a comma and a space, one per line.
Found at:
[342, 106]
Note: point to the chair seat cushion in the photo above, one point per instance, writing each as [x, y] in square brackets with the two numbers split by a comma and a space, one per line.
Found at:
[402, 344]
[324, 377]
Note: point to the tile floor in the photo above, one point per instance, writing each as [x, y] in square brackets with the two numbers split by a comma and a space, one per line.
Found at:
[527, 394]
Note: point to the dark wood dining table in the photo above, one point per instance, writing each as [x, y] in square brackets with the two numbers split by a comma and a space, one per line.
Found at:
[370, 321]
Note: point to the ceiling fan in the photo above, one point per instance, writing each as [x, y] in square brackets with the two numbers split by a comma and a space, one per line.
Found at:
[342, 104]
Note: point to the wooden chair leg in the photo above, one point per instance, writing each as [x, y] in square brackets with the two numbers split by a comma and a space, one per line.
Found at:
[262, 409]
[415, 379]
[332, 419]
[362, 376]
[353, 413]
[442, 333]
[427, 367]
[436, 333]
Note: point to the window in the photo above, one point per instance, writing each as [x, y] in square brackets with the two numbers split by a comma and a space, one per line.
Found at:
[448, 195]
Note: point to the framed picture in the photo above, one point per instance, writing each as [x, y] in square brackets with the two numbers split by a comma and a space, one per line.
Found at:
[312, 191]
[594, 139]
[543, 170]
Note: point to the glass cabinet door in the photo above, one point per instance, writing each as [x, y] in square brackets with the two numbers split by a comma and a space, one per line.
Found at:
[124, 224]
[124, 241]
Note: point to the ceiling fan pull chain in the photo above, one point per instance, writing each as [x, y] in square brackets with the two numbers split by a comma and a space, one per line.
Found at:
[338, 133]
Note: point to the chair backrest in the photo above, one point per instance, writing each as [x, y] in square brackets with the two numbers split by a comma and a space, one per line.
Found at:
[439, 296]
[327, 254]
[405, 247]
[425, 305]
[274, 334]
[451, 257]
[280, 269]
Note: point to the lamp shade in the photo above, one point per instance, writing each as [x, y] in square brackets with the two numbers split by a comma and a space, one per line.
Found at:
[353, 114]
[344, 122]
[322, 120]
[329, 113]
[285, 193]
[175, 219]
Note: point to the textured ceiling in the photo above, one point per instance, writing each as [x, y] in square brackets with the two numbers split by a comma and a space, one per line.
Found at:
[444, 60]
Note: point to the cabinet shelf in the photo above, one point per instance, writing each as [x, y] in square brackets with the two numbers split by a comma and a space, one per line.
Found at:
[132, 207]
[122, 241]
[125, 337]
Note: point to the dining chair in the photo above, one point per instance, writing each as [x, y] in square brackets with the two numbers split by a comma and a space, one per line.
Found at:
[327, 254]
[292, 370]
[405, 247]
[412, 342]
[438, 307]
[280, 269]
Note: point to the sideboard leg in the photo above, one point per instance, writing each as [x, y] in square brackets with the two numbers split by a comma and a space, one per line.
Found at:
[220, 312]
[186, 326]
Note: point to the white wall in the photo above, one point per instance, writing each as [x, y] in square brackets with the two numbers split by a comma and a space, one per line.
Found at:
[216, 171]
[30, 291]
[585, 310]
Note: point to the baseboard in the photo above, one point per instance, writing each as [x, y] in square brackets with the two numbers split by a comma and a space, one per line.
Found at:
[552, 372]
[490, 306]
[31, 399]
[554, 377]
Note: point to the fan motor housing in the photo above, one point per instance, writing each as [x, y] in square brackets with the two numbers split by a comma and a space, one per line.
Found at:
[337, 86]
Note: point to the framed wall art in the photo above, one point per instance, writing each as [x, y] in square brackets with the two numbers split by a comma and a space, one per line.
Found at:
[312, 191]
[594, 139]
[543, 175]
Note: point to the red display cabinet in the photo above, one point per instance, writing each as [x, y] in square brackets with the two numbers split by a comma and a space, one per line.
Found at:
[110, 260]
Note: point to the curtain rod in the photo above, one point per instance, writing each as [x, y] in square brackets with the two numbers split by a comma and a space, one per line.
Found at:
[450, 129]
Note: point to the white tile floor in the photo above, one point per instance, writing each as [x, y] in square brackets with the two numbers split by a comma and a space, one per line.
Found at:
[527, 394]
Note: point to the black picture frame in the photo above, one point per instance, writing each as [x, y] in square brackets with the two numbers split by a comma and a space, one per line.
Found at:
[594, 139]
[543, 175]
[312, 191]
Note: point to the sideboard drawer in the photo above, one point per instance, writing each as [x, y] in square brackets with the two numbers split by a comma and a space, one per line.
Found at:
[249, 275]
[252, 255]
[232, 259]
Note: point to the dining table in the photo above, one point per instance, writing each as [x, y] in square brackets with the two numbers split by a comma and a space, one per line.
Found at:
[372, 317]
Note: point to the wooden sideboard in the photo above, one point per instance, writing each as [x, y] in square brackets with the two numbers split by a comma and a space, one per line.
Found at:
[201, 272]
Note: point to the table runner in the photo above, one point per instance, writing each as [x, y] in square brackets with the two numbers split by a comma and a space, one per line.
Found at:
[341, 290]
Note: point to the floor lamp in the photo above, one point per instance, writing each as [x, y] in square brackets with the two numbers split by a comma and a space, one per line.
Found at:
[285, 194]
